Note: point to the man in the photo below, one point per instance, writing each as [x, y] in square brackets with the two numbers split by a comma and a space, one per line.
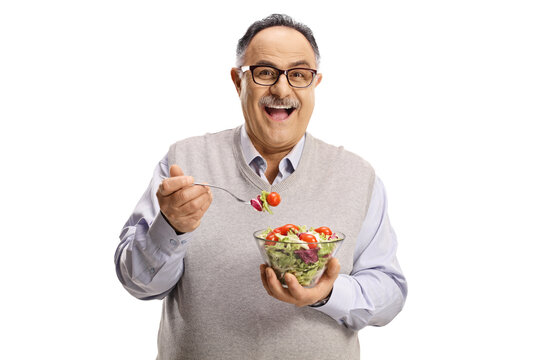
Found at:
[195, 249]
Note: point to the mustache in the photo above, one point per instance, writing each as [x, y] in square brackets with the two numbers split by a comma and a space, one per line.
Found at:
[272, 101]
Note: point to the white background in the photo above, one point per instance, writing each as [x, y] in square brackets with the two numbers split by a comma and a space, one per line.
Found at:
[441, 97]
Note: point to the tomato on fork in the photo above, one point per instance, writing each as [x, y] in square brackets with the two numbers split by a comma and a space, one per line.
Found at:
[273, 199]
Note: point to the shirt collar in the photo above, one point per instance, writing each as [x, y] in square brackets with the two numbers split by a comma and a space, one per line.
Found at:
[252, 155]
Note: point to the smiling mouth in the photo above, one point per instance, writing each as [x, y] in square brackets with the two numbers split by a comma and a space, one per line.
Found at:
[279, 113]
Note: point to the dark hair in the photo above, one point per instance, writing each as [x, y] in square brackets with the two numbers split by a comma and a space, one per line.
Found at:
[274, 20]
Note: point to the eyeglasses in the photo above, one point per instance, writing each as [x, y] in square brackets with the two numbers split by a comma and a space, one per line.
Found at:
[268, 75]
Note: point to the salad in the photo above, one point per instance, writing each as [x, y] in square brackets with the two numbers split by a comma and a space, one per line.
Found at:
[301, 251]
[265, 200]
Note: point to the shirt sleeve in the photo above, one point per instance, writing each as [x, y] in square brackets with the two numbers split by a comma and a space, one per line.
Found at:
[375, 291]
[150, 257]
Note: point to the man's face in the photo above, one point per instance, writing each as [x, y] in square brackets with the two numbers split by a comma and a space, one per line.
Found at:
[276, 130]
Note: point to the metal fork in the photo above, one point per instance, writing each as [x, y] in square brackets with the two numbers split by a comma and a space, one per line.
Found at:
[247, 202]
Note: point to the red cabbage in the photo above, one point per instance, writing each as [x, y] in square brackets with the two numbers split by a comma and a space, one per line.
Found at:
[308, 256]
[256, 204]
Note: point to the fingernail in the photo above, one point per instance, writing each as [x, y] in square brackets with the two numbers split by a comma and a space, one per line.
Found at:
[268, 273]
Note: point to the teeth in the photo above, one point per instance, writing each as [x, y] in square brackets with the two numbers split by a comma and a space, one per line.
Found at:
[281, 107]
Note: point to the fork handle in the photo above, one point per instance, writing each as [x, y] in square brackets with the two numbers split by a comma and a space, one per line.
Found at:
[230, 193]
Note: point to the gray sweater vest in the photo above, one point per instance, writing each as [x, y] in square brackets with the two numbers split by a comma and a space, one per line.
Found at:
[219, 308]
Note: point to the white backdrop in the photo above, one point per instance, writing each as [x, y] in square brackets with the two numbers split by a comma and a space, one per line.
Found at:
[441, 97]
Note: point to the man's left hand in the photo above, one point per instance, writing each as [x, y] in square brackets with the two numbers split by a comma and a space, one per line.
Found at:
[295, 293]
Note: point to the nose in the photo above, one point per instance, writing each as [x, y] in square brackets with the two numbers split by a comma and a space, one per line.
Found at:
[281, 88]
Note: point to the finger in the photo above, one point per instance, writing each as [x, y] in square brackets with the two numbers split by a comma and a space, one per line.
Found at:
[296, 290]
[262, 269]
[331, 273]
[195, 217]
[186, 195]
[170, 185]
[175, 171]
[271, 280]
[191, 201]
[202, 184]
[208, 201]
[275, 287]
[333, 269]
[187, 218]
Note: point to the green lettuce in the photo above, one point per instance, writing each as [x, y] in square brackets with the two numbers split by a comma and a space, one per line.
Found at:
[287, 256]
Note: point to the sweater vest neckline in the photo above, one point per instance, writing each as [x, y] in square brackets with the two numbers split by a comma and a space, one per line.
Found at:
[259, 183]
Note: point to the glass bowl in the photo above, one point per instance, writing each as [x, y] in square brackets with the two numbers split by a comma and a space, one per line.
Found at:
[306, 264]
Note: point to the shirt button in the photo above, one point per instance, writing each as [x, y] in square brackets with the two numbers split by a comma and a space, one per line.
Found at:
[173, 242]
[152, 271]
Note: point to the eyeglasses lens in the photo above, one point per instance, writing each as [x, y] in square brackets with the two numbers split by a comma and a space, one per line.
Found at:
[297, 77]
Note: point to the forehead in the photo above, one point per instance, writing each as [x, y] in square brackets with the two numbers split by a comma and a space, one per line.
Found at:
[280, 46]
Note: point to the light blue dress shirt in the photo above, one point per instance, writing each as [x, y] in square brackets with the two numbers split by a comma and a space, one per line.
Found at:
[149, 258]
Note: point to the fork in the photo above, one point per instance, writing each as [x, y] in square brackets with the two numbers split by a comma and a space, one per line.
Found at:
[230, 193]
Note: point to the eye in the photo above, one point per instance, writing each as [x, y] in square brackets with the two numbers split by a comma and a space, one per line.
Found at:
[298, 74]
[265, 72]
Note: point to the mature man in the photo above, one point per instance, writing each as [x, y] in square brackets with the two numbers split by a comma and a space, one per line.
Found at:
[195, 250]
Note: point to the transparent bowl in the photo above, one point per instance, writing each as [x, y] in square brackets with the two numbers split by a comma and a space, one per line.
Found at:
[307, 265]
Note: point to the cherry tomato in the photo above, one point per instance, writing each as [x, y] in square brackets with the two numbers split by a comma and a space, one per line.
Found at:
[285, 228]
[272, 237]
[277, 230]
[312, 240]
[324, 230]
[273, 199]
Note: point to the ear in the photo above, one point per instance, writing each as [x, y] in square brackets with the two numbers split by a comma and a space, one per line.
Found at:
[318, 79]
[237, 79]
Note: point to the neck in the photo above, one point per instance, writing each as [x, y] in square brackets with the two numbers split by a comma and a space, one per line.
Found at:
[273, 158]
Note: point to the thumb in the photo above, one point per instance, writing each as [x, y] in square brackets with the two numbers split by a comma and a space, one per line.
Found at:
[175, 171]
[333, 268]
[330, 274]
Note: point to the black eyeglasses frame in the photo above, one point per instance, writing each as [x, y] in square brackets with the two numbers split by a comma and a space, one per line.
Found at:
[280, 72]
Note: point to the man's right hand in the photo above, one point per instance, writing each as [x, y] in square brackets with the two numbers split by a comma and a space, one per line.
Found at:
[182, 203]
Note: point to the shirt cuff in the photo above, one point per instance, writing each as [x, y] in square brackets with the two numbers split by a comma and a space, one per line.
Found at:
[164, 236]
[341, 300]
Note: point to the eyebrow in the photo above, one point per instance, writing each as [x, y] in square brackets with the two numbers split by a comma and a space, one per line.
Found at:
[294, 64]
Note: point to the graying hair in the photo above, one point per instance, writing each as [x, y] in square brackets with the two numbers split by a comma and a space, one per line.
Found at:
[269, 21]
